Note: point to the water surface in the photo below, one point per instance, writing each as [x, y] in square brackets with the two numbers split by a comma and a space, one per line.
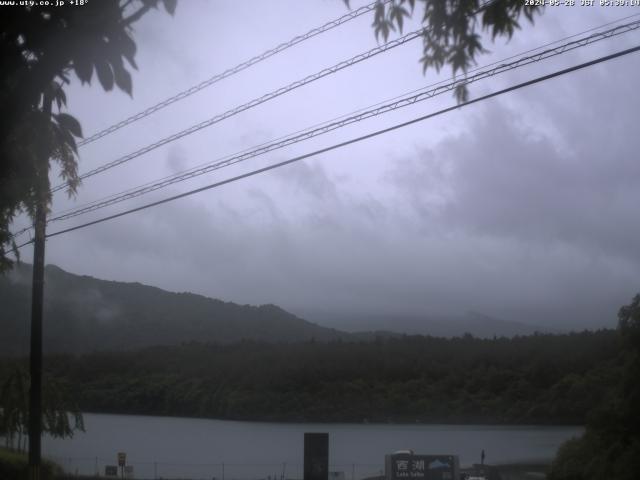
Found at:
[169, 447]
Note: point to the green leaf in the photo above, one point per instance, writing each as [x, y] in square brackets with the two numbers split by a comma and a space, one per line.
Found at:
[399, 20]
[398, 12]
[70, 123]
[170, 6]
[379, 14]
[126, 47]
[64, 137]
[123, 78]
[461, 93]
[83, 68]
[60, 97]
[105, 75]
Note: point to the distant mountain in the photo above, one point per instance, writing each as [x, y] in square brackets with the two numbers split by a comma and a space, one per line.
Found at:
[85, 314]
[477, 324]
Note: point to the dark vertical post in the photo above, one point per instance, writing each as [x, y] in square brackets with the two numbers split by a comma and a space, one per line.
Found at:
[35, 364]
[316, 456]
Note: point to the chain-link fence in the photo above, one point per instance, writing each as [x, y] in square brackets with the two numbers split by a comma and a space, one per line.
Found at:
[159, 470]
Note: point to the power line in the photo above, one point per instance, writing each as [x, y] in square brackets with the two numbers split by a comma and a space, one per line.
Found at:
[243, 66]
[20, 232]
[231, 71]
[349, 142]
[607, 34]
[253, 103]
[308, 133]
[183, 133]
[269, 96]
[399, 102]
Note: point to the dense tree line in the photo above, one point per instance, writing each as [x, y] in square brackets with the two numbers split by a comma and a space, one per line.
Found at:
[536, 379]
[610, 447]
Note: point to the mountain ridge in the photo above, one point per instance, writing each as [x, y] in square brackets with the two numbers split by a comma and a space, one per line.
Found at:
[87, 314]
[84, 314]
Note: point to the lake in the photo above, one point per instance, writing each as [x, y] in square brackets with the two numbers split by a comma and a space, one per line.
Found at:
[169, 447]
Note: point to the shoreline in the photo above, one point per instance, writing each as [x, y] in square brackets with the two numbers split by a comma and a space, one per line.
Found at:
[447, 423]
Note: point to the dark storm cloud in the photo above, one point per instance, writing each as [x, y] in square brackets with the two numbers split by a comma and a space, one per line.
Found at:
[563, 194]
[504, 179]
[312, 179]
[521, 223]
[523, 208]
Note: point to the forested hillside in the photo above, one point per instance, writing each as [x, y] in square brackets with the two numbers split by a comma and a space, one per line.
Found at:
[85, 314]
[554, 379]
[610, 446]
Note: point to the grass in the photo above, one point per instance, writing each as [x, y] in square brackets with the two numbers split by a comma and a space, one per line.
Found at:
[14, 466]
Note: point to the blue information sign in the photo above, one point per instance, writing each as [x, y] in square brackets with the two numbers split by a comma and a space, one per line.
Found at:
[405, 466]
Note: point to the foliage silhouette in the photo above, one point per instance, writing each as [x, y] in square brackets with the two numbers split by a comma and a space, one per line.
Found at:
[452, 28]
[58, 408]
[610, 447]
[40, 46]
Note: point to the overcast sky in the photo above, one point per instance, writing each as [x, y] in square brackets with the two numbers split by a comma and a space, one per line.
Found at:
[523, 207]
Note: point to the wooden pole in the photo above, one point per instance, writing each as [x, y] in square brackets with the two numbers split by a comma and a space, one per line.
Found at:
[37, 292]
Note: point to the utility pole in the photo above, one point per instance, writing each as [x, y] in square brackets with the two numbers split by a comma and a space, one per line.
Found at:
[37, 292]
